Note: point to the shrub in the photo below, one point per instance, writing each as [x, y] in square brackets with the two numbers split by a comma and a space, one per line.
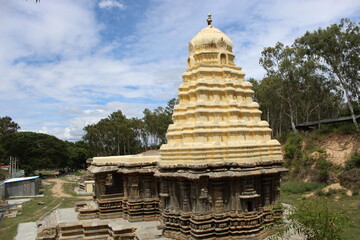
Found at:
[318, 220]
[323, 167]
[301, 187]
[353, 162]
[351, 179]
[292, 149]
[341, 127]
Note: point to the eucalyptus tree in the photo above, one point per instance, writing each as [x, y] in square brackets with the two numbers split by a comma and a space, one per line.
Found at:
[112, 136]
[337, 49]
[280, 62]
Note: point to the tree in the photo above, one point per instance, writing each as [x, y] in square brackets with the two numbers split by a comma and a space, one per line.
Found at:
[78, 153]
[281, 64]
[37, 151]
[337, 48]
[295, 87]
[157, 122]
[7, 128]
[112, 136]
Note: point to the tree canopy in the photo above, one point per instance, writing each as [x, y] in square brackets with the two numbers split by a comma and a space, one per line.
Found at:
[337, 50]
[306, 81]
[118, 135]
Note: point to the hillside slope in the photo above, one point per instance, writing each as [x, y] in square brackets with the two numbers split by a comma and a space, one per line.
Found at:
[339, 147]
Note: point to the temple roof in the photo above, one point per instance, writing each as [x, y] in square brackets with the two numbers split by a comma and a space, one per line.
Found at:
[210, 35]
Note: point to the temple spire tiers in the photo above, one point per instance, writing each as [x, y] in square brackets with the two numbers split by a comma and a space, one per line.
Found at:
[218, 175]
[220, 170]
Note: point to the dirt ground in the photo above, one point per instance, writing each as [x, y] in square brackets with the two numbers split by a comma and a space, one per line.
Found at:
[340, 147]
[58, 190]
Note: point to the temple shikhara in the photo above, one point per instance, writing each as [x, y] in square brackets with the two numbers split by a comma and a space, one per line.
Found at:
[218, 175]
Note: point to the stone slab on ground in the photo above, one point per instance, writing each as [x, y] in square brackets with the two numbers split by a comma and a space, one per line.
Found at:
[26, 231]
[18, 201]
[66, 215]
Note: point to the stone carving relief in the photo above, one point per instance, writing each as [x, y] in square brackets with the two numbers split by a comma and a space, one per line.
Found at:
[191, 49]
[221, 44]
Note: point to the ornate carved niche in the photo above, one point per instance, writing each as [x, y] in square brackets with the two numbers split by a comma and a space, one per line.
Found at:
[201, 195]
[185, 201]
[223, 58]
[217, 189]
[190, 62]
[249, 198]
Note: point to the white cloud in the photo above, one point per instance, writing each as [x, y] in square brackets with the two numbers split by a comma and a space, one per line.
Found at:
[111, 3]
[75, 79]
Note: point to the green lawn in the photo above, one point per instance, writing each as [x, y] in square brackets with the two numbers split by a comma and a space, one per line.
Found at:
[339, 201]
[31, 212]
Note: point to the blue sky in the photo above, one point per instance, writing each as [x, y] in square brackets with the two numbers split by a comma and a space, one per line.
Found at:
[68, 63]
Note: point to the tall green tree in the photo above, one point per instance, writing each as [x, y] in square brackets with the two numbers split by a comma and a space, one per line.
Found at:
[77, 153]
[157, 122]
[37, 151]
[281, 64]
[337, 48]
[113, 135]
[7, 129]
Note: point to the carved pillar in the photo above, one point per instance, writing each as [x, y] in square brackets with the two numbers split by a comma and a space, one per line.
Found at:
[100, 181]
[125, 185]
[266, 186]
[146, 185]
[173, 200]
[133, 187]
[277, 188]
[164, 194]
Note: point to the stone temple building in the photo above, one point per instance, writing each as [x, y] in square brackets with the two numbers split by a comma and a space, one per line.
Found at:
[218, 176]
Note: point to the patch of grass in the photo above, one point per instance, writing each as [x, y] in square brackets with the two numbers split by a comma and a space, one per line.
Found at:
[80, 173]
[342, 202]
[297, 187]
[31, 212]
[69, 188]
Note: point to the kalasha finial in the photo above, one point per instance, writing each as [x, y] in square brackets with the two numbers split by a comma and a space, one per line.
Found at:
[209, 20]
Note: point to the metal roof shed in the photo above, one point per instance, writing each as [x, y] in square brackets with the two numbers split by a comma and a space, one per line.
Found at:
[25, 186]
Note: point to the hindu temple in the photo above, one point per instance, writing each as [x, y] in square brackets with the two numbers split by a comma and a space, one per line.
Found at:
[218, 175]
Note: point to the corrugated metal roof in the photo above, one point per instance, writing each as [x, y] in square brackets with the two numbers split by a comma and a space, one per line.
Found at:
[20, 179]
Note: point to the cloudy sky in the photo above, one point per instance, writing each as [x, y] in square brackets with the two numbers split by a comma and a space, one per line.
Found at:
[68, 63]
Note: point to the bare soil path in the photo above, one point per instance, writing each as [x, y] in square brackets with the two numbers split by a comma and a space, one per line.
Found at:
[58, 189]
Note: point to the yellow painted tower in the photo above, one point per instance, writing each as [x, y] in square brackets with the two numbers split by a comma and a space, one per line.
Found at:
[220, 170]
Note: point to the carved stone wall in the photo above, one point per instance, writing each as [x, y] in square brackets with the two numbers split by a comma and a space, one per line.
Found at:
[225, 208]
[219, 171]
[131, 196]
